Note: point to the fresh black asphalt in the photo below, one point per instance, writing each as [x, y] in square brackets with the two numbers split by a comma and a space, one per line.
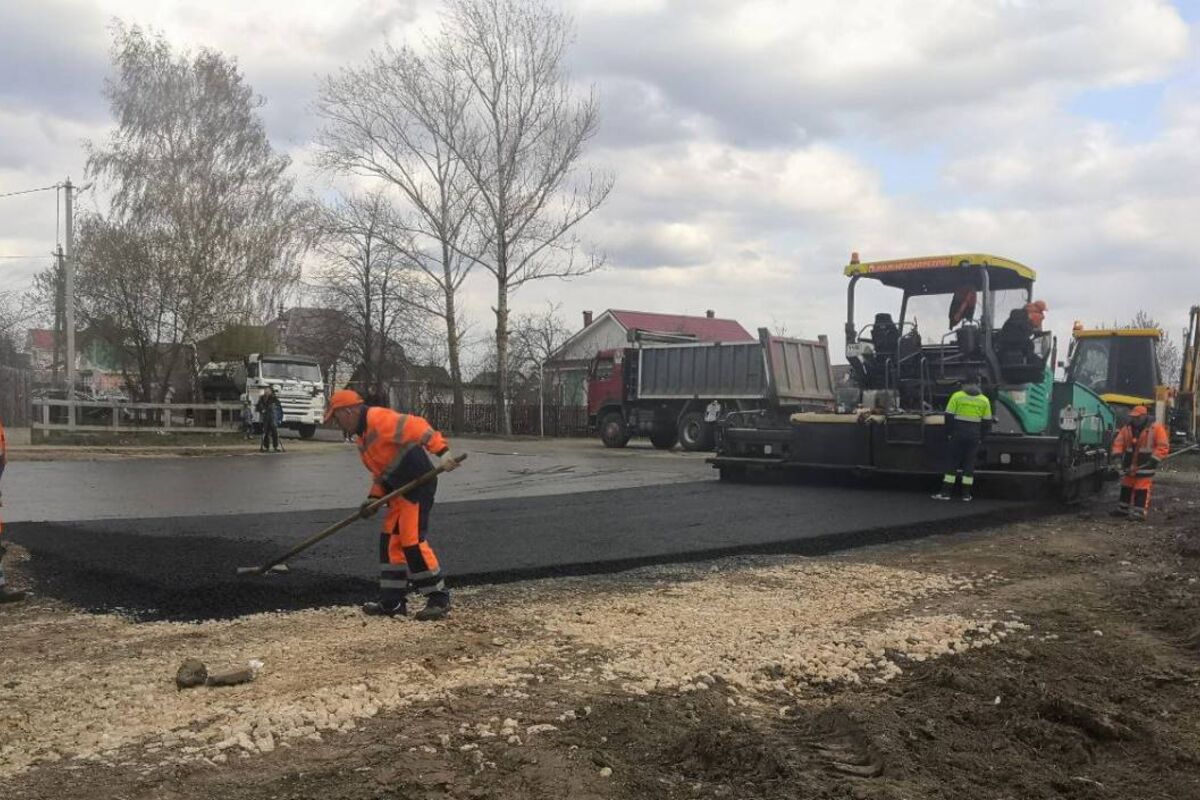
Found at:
[183, 567]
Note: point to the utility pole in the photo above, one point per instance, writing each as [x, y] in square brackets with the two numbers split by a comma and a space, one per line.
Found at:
[59, 303]
[70, 301]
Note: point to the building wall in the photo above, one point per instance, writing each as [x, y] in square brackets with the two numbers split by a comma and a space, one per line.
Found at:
[604, 334]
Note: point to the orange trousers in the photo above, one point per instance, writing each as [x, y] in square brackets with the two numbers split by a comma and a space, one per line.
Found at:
[1135, 495]
[407, 562]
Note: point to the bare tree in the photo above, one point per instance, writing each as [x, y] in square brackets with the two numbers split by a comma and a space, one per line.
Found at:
[16, 312]
[370, 282]
[202, 227]
[534, 337]
[391, 119]
[523, 133]
[1170, 359]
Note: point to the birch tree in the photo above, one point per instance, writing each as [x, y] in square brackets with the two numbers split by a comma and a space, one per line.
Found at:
[390, 119]
[200, 204]
[523, 132]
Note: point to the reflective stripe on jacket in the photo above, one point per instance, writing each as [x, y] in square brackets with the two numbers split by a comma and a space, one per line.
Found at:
[387, 438]
[1152, 442]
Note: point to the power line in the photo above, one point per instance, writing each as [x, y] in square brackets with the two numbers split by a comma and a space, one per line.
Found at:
[48, 255]
[30, 191]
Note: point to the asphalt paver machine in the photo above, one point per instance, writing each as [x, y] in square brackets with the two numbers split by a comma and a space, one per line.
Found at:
[946, 319]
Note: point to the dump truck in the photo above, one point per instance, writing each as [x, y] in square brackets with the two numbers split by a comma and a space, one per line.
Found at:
[1053, 435]
[678, 393]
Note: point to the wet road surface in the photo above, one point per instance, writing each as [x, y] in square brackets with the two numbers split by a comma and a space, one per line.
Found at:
[305, 479]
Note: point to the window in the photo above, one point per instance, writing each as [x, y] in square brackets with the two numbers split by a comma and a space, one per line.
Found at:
[1090, 365]
[603, 370]
[293, 370]
[1135, 372]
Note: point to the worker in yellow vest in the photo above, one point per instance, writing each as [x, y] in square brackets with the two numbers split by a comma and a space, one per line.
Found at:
[968, 420]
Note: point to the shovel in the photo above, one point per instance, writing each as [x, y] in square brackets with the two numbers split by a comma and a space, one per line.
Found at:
[278, 565]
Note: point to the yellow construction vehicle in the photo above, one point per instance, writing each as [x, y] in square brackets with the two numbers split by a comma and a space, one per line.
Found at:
[1120, 365]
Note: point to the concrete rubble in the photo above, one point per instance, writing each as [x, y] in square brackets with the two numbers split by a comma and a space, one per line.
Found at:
[105, 692]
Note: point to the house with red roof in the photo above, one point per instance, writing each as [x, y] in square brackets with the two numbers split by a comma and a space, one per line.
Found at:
[39, 345]
[566, 369]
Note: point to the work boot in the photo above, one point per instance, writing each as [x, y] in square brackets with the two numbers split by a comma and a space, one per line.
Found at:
[966, 498]
[436, 607]
[8, 595]
[374, 609]
[942, 495]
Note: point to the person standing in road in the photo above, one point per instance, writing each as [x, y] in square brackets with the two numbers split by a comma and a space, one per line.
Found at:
[968, 420]
[1142, 444]
[269, 411]
[7, 595]
[395, 449]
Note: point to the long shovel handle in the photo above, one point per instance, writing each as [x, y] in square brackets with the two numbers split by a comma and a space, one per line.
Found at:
[337, 526]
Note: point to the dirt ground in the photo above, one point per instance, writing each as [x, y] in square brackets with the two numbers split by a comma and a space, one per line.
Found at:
[1045, 659]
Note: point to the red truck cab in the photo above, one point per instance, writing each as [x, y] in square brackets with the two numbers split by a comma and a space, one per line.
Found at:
[605, 395]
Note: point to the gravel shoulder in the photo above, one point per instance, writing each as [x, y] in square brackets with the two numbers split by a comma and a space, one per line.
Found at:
[1050, 658]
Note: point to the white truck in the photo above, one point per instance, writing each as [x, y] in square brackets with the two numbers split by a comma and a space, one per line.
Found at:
[298, 384]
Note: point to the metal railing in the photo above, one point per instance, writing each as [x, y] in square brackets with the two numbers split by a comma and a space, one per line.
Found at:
[117, 416]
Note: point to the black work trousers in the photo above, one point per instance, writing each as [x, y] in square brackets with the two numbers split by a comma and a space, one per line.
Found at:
[270, 433]
[961, 454]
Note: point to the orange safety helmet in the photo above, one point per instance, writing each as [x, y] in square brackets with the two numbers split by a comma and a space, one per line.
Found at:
[342, 398]
[1139, 411]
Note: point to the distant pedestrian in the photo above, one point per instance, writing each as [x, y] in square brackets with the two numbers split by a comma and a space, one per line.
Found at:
[270, 411]
[247, 420]
[6, 595]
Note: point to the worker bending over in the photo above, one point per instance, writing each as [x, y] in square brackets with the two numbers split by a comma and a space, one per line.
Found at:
[394, 448]
[1142, 444]
[968, 419]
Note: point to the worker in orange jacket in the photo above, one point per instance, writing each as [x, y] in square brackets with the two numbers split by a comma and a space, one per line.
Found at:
[394, 448]
[1142, 444]
[7, 595]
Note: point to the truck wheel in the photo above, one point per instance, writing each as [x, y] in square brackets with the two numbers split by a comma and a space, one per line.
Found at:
[613, 431]
[695, 434]
[308, 431]
[663, 438]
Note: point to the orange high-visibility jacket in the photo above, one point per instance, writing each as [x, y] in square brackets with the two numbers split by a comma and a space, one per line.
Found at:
[1152, 441]
[388, 437]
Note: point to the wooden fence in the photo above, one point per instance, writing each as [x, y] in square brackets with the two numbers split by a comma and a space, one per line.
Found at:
[526, 419]
[14, 397]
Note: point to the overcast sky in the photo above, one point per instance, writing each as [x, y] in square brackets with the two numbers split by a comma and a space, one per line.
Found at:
[755, 144]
